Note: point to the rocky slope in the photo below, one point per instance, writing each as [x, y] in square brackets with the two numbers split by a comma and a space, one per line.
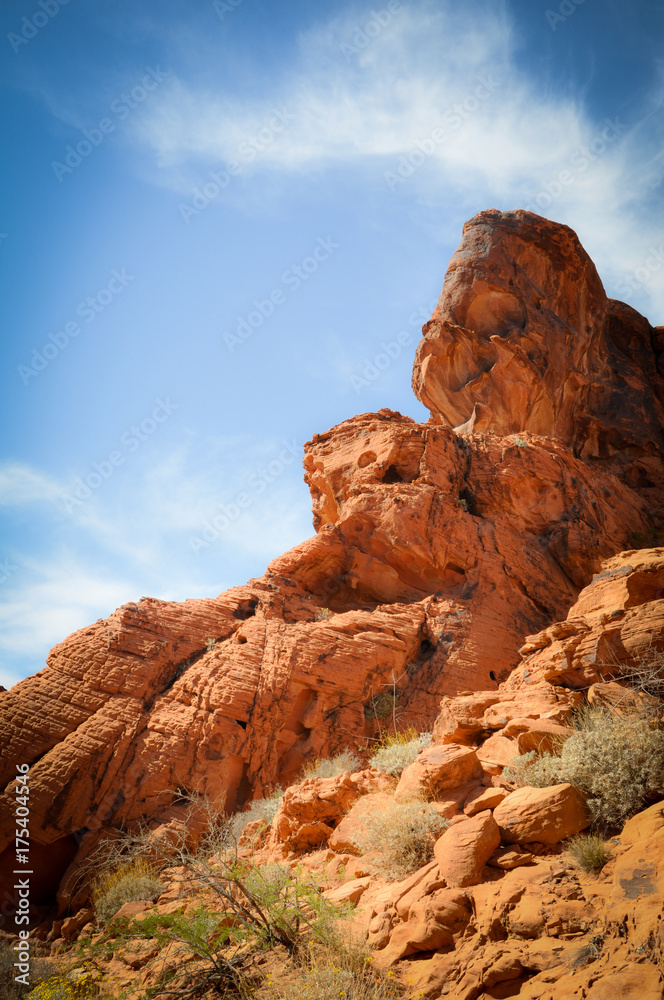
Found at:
[438, 548]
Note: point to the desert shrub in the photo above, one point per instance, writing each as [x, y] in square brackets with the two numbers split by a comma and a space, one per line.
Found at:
[397, 750]
[589, 850]
[540, 770]
[265, 809]
[338, 968]
[323, 614]
[404, 833]
[382, 705]
[645, 675]
[329, 767]
[61, 987]
[321, 981]
[615, 759]
[131, 880]
[40, 968]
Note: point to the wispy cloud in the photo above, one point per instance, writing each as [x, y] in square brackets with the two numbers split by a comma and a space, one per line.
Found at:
[419, 75]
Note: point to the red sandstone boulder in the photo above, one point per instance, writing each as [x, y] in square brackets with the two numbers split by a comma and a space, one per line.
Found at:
[542, 815]
[352, 828]
[436, 769]
[308, 812]
[464, 849]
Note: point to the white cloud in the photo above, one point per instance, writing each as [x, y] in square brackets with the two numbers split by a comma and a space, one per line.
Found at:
[19, 484]
[57, 598]
[371, 109]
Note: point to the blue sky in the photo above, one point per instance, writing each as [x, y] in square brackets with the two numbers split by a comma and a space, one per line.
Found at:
[215, 215]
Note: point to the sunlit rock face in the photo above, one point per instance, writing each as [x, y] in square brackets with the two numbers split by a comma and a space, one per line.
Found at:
[524, 338]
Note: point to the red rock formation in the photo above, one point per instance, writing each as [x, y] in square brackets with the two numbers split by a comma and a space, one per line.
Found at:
[436, 549]
[524, 338]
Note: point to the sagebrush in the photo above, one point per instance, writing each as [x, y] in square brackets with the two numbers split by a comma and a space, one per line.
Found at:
[616, 759]
[130, 881]
[265, 809]
[404, 834]
[397, 750]
[330, 767]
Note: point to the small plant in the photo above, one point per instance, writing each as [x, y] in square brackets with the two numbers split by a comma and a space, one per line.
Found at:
[381, 706]
[589, 851]
[645, 675]
[131, 880]
[40, 969]
[404, 834]
[60, 987]
[616, 759]
[519, 442]
[265, 809]
[210, 644]
[338, 968]
[397, 750]
[323, 614]
[329, 767]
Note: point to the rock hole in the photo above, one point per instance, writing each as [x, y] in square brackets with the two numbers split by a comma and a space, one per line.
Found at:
[246, 610]
[241, 639]
[366, 458]
[427, 649]
[392, 475]
[492, 675]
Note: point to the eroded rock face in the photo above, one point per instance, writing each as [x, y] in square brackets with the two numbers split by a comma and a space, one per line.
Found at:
[525, 338]
[436, 550]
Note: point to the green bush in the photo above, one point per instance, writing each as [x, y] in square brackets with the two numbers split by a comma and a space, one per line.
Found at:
[329, 767]
[404, 834]
[590, 851]
[131, 880]
[398, 750]
[265, 809]
[615, 759]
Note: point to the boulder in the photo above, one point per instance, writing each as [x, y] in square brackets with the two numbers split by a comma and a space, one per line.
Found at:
[309, 811]
[351, 829]
[541, 815]
[464, 849]
[436, 769]
[488, 798]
